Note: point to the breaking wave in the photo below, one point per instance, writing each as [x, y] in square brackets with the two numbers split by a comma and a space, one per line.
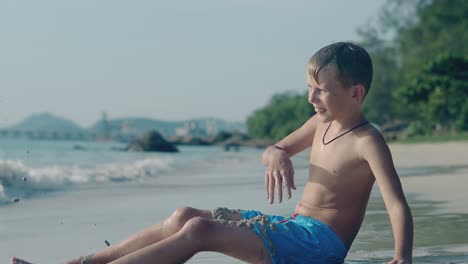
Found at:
[17, 180]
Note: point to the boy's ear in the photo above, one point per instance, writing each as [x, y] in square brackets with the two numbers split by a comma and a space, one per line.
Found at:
[358, 92]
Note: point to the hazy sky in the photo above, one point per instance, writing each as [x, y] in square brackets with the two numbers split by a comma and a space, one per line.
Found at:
[169, 60]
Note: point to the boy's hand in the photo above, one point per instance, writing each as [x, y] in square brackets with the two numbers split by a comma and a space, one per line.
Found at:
[279, 173]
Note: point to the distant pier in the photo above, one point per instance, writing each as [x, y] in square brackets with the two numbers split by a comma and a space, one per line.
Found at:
[60, 135]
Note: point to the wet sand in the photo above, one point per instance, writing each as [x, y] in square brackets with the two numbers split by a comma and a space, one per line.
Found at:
[434, 178]
[444, 172]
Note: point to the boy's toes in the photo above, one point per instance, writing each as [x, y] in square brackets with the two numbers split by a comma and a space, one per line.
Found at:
[78, 260]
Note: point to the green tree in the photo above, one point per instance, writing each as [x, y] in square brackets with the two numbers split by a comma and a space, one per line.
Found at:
[440, 30]
[282, 115]
[408, 35]
[378, 105]
[439, 92]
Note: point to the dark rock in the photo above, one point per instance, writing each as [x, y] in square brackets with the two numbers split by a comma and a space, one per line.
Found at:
[259, 143]
[226, 140]
[222, 136]
[394, 130]
[394, 126]
[79, 147]
[152, 141]
[235, 141]
[189, 140]
[232, 143]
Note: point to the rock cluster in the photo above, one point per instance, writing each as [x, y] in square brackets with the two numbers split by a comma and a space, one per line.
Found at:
[152, 141]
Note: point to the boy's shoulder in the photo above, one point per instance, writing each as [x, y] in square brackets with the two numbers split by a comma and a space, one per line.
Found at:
[370, 131]
[369, 135]
[370, 141]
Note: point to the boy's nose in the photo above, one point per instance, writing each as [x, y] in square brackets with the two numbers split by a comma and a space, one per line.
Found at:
[312, 97]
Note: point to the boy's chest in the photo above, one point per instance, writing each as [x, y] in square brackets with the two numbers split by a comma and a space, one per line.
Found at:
[339, 157]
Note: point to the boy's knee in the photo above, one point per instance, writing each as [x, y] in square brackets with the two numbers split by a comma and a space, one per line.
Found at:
[197, 228]
[182, 215]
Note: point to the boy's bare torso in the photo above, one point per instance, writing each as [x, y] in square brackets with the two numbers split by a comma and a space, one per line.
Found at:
[339, 183]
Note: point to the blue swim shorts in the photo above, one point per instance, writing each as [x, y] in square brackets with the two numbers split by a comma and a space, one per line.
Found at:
[297, 239]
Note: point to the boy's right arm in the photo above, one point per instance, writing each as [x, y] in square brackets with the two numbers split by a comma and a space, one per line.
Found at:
[299, 139]
[276, 158]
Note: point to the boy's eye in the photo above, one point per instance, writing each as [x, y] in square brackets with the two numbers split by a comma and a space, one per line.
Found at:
[316, 89]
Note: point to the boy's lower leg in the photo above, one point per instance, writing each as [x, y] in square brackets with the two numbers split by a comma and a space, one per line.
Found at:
[148, 236]
[201, 234]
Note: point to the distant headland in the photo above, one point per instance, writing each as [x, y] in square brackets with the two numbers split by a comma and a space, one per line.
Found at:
[46, 126]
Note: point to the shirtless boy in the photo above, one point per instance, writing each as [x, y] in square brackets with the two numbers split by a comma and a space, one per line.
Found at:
[347, 156]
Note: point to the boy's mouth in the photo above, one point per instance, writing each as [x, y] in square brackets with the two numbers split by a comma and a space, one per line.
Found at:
[319, 109]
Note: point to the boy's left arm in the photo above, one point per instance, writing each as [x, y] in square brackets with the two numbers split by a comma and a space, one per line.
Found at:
[376, 152]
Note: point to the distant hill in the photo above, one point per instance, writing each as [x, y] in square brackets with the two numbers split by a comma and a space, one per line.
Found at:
[167, 128]
[219, 124]
[47, 122]
[135, 126]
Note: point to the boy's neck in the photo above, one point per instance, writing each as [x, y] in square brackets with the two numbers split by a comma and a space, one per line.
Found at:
[341, 124]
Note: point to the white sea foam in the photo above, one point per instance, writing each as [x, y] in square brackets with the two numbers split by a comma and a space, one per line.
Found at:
[17, 180]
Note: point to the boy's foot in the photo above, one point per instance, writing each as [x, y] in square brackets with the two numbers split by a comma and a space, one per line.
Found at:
[78, 260]
[15, 260]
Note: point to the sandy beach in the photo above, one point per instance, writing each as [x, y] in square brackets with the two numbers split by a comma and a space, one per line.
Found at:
[448, 179]
[61, 225]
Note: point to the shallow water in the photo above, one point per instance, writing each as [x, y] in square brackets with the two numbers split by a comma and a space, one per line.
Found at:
[438, 237]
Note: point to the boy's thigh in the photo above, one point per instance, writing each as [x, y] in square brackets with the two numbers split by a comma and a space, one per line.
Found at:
[223, 213]
[229, 238]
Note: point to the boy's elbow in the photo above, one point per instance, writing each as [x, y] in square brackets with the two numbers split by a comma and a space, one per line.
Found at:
[400, 207]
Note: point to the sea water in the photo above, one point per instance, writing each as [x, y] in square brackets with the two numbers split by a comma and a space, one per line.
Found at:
[30, 169]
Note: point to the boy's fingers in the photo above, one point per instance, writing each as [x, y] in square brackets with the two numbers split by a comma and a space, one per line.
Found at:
[293, 185]
[267, 182]
[287, 184]
[271, 188]
[279, 185]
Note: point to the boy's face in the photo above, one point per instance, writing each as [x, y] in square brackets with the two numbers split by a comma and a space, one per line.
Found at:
[329, 97]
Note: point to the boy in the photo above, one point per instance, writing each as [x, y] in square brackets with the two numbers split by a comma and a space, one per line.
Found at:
[347, 156]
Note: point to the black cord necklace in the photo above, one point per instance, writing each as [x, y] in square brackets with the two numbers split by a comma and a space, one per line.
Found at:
[333, 139]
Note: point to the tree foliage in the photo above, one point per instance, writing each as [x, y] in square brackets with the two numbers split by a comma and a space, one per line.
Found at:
[439, 92]
[378, 105]
[440, 30]
[424, 34]
[419, 53]
[282, 115]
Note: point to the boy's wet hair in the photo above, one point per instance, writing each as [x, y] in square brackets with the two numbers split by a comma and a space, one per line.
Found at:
[353, 62]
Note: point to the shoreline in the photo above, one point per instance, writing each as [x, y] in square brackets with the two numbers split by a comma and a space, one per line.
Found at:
[446, 185]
